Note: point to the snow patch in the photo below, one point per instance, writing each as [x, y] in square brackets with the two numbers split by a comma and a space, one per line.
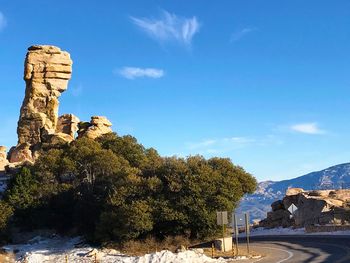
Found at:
[58, 249]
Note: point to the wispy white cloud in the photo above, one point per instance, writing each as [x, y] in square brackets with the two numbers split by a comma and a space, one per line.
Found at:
[3, 21]
[239, 34]
[205, 143]
[307, 128]
[220, 145]
[169, 27]
[134, 72]
[226, 145]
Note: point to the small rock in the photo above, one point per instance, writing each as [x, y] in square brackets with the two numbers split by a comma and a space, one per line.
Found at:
[181, 249]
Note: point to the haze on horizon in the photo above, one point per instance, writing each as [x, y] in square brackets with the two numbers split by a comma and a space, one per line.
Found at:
[264, 83]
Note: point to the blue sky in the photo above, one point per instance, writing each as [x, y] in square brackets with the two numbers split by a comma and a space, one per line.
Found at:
[265, 83]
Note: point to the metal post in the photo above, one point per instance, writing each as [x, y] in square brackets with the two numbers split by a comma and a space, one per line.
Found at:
[236, 232]
[223, 232]
[232, 248]
[212, 250]
[247, 230]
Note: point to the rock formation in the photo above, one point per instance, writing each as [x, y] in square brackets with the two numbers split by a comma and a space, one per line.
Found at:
[3, 159]
[318, 207]
[68, 124]
[46, 73]
[47, 70]
[95, 128]
[278, 217]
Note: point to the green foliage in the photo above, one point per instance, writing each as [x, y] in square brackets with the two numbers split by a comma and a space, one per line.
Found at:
[115, 189]
[5, 215]
[23, 190]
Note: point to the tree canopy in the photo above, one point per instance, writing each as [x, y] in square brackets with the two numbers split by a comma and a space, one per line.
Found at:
[113, 188]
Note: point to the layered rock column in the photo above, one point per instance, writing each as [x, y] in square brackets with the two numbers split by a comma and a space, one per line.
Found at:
[47, 71]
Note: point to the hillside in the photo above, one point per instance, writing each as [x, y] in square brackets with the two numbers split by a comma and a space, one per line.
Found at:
[258, 204]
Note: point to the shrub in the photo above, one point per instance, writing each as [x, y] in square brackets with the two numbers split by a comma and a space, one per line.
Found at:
[113, 189]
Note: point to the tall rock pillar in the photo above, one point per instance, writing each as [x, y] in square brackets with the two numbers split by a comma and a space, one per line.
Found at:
[47, 70]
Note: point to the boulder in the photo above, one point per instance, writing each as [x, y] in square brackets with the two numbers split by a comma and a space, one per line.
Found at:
[56, 140]
[20, 154]
[291, 199]
[97, 127]
[341, 194]
[313, 207]
[68, 124]
[3, 159]
[47, 70]
[294, 191]
[278, 217]
[322, 193]
[277, 205]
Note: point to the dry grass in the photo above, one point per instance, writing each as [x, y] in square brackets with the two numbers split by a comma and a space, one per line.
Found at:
[151, 245]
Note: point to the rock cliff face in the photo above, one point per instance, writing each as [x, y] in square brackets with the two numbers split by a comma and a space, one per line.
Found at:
[46, 73]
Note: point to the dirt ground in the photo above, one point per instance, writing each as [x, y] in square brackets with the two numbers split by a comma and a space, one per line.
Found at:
[231, 254]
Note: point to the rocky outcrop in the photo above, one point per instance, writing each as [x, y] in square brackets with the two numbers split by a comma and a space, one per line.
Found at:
[318, 207]
[3, 159]
[67, 124]
[278, 217]
[47, 70]
[97, 127]
[294, 191]
[46, 73]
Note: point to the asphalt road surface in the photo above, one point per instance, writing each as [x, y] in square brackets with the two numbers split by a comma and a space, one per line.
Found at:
[300, 249]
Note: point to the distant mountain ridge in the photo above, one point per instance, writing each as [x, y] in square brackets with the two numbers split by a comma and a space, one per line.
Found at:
[258, 203]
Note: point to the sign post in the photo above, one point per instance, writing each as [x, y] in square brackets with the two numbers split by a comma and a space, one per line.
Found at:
[247, 230]
[236, 231]
[292, 208]
[221, 219]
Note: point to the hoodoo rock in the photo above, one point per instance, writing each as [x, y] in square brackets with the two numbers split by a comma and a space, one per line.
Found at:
[97, 127]
[46, 73]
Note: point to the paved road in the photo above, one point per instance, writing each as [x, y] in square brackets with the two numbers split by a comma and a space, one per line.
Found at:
[300, 249]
